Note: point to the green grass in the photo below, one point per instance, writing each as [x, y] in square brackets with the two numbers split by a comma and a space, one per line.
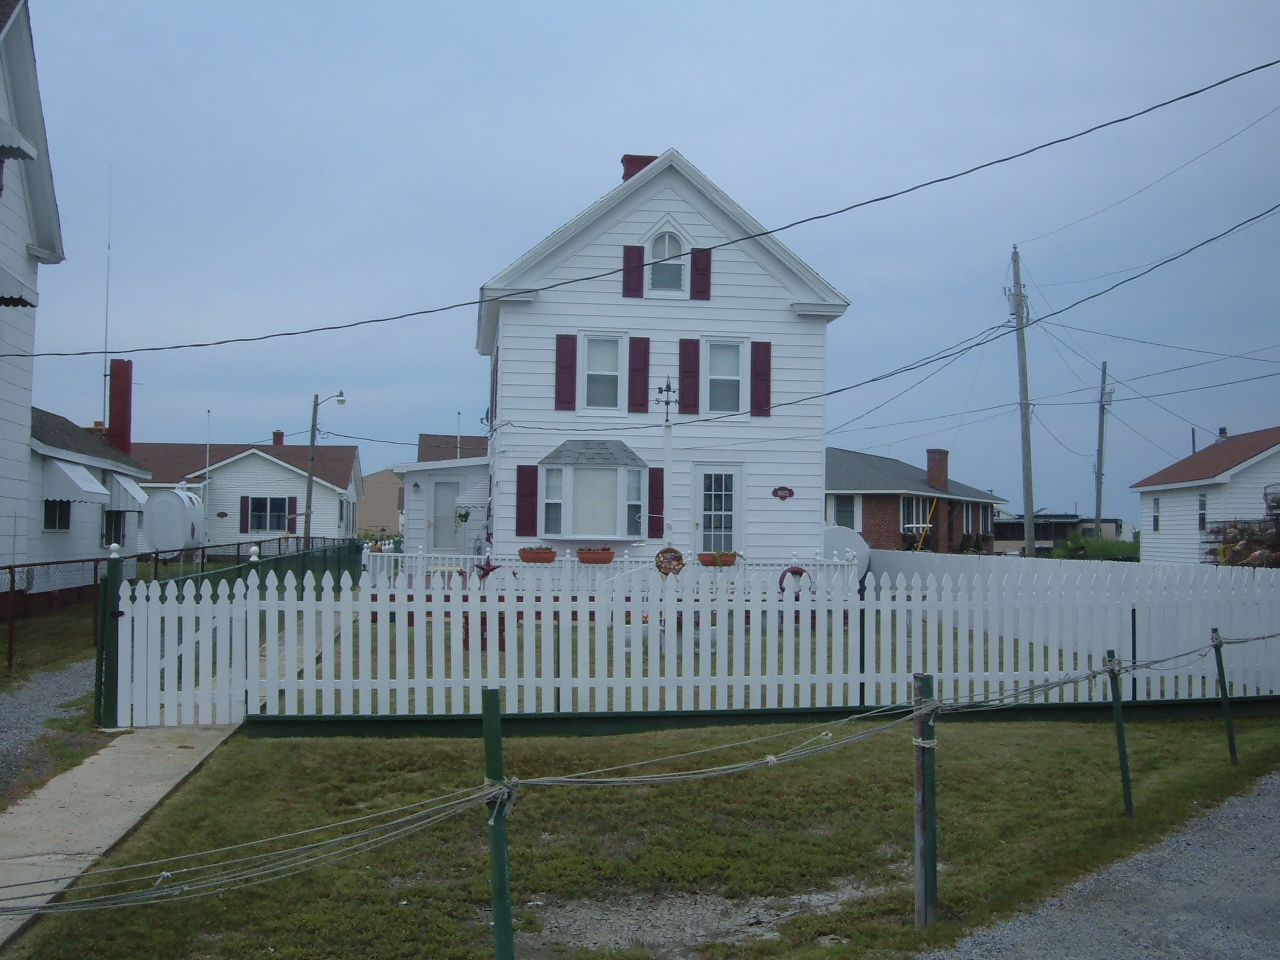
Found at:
[48, 641]
[1023, 809]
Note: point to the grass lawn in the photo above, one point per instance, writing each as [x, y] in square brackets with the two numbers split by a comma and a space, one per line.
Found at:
[1023, 809]
[48, 641]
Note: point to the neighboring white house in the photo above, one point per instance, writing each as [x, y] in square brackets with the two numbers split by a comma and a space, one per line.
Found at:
[1223, 481]
[30, 234]
[446, 495]
[258, 492]
[85, 494]
[580, 450]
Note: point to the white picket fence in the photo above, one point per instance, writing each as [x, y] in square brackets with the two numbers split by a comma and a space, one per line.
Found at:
[701, 640]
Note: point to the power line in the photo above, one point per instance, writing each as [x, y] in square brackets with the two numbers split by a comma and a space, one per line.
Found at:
[1153, 182]
[1173, 346]
[1056, 439]
[617, 270]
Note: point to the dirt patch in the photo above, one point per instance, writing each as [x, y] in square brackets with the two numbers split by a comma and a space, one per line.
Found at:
[672, 926]
[49, 755]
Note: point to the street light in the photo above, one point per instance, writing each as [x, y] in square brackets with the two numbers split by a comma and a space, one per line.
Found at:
[311, 463]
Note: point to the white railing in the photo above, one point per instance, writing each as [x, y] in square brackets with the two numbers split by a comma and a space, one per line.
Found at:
[702, 640]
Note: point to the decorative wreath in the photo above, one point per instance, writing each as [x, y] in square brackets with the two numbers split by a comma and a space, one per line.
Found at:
[669, 560]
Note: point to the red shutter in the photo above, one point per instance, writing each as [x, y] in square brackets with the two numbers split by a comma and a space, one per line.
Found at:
[689, 351]
[244, 514]
[566, 371]
[638, 375]
[657, 503]
[761, 377]
[292, 507]
[633, 271]
[527, 500]
[700, 274]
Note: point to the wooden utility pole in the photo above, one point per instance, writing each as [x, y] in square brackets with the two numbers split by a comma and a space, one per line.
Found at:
[1018, 302]
[1104, 398]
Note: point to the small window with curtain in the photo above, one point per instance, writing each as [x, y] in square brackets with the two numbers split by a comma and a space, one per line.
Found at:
[668, 275]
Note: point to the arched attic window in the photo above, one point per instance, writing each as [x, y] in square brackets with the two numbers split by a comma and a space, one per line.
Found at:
[669, 275]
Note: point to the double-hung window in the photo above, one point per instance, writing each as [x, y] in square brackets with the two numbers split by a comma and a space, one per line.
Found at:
[57, 514]
[668, 275]
[268, 514]
[724, 377]
[113, 526]
[583, 501]
[601, 369]
[915, 514]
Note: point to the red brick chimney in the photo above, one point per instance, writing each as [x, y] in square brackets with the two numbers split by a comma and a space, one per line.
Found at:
[277, 438]
[633, 163]
[936, 471]
[120, 406]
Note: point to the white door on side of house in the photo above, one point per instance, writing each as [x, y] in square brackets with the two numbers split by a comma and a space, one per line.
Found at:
[718, 508]
[444, 512]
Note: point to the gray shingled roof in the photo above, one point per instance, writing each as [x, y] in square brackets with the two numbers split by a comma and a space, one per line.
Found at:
[593, 453]
[61, 434]
[851, 472]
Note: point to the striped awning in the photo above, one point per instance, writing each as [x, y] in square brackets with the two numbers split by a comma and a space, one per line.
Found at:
[13, 145]
[15, 292]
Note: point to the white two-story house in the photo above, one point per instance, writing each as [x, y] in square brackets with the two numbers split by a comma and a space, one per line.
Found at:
[656, 379]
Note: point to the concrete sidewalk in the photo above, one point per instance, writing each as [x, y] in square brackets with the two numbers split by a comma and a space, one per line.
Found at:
[66, 825]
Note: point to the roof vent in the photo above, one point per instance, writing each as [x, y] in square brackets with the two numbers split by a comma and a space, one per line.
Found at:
[1222, 434]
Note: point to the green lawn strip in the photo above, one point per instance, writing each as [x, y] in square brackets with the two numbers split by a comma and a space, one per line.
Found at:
[1023, 809]
[71, 739]
[47, 641]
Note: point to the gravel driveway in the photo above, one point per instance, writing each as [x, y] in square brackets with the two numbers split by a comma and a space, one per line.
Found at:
[24, 710]
[1210, 892]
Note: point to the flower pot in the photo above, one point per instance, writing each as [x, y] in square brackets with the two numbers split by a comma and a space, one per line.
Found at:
[717, 559]
[537, 554]
[595, 555]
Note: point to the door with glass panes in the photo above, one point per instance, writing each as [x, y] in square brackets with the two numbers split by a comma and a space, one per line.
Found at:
[718, 510]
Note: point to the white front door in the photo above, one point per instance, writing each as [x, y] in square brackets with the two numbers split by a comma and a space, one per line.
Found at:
[444, 513]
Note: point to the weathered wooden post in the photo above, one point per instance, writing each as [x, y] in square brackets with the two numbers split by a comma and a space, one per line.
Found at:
[1113, 668]
[926, 863]
[1226, 698]
[499, 870]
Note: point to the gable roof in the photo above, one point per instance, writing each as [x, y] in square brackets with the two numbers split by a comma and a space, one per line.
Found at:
[1215, 460]
[176, 462]
[59, 433]
[18, 55]
[444, 446]
[849, 471]
[827, 300]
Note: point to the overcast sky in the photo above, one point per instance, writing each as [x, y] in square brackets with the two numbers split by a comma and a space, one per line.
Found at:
[270, 166]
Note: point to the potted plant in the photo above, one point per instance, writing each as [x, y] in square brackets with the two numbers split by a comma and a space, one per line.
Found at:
[538, 554]
[719, 558]
[595, 554]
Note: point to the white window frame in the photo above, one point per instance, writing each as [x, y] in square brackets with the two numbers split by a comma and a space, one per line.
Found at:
[744, 373]
[681, 263]
[920, 507]
[1202, 512]
[986, 519]
[626, 480]
[624, 353]
[737, 531]
[1155, 514]
[268, 528]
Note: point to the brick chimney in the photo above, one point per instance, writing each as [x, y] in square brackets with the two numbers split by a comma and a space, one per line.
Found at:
[120, 406]
[936, 471]
[277, 438]
[633, 163]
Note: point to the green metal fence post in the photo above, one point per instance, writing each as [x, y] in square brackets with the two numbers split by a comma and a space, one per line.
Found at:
[1226, 698]
[926, 864]
[499, 871]
[1113, 668]
[107, 665]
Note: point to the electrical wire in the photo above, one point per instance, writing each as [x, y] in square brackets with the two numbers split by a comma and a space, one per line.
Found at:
[1173, 346]
[1182, 166]
[1056, 439]
[617, 270]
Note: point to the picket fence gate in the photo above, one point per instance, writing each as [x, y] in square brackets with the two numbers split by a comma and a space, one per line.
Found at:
[702, 640]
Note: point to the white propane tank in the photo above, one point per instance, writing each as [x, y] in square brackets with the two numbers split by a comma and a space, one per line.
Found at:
[173, 520]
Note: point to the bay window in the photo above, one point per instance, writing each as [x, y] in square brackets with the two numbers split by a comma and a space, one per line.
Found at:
[588, 501]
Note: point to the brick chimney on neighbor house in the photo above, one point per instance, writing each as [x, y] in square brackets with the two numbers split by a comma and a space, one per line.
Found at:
[277, 438]
[120, 406]
[936, 470]
[633, 163]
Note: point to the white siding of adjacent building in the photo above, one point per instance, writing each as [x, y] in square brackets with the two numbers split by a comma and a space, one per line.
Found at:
[750, 301]
[17, 335]
[1179, 539]
[420, 508]
[84, 539]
